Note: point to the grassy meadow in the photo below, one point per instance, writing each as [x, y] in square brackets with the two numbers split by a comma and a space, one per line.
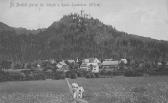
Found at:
[48, 91]
[126, 89]
[98, 90]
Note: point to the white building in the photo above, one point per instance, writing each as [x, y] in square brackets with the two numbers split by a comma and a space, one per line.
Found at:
[90, 64]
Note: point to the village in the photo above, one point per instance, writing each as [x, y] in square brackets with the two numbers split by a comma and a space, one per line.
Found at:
[73, 68]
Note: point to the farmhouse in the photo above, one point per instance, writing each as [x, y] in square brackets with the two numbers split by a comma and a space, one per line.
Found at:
[110, 65]
[90, 64]
[71, 61]
[162, 64]
[124, 61]
[62, 66]
[91, 60]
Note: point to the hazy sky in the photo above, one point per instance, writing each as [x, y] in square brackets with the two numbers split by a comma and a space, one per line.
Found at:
[147, 18]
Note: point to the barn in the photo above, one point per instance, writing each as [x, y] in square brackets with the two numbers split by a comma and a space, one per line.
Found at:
[110, 65]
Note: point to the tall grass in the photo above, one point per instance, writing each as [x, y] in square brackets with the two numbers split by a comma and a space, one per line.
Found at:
[126, 90]
[102, 90]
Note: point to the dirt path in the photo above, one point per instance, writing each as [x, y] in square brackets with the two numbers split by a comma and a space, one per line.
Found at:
[69, 85]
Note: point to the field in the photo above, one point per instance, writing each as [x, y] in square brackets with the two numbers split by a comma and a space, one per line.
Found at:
[99, 90]
[48, 91]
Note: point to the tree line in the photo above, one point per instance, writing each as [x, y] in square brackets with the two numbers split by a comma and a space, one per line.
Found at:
[83, 37]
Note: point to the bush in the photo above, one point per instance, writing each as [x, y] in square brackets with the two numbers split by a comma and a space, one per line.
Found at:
[158, 72]
[15, 76]
[117, 73]
[132, 74]
[103, 72]
[90, 75]
[106, 73]
[59, 75]
[3, 76]
[39, 76]
[74, 76]
[97, 75]
[71, 74]
[81, 73]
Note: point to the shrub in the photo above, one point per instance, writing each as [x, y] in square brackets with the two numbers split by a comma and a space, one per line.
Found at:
[39, 76]
[158, 72]
[3, 76]
[81, 73]
[117, 73]
[71, 74]
[132, 73]
[107, 73]
[103, 72]
[90, 75]
[59, 75]
[97, 75]
[15, 76]
[74, 76]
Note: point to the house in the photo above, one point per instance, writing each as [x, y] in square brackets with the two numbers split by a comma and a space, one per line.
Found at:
[52, 61]
[161, 64]
[108, 59]
[110, 65]
[91, 60]
[90, 64]
[71, 61]
[62, 66]
[124, 61]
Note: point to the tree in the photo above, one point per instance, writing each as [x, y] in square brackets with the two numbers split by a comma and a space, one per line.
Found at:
[6, 64]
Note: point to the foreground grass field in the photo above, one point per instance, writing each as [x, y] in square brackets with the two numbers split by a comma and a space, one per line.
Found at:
[98, 90]
[48, 91]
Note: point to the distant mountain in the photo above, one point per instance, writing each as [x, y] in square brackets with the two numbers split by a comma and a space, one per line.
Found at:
[4, 27]
[19, 31]
[80, 36]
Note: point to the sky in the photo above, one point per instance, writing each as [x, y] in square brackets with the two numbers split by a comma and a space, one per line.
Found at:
[148, 18]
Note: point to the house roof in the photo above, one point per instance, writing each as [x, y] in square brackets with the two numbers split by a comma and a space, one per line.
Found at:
[110, 63]
[108, 59]
[91, 60]
[71, 61]
[62, 63]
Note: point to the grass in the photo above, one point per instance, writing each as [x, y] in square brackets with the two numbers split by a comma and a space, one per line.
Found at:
[101, 90]
[126, 89]
[49, 91]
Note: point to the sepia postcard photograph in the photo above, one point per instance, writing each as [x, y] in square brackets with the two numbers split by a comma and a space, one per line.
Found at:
[83, 51]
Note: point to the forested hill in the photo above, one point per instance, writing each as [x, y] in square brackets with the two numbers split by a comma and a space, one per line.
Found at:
[78, 36]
